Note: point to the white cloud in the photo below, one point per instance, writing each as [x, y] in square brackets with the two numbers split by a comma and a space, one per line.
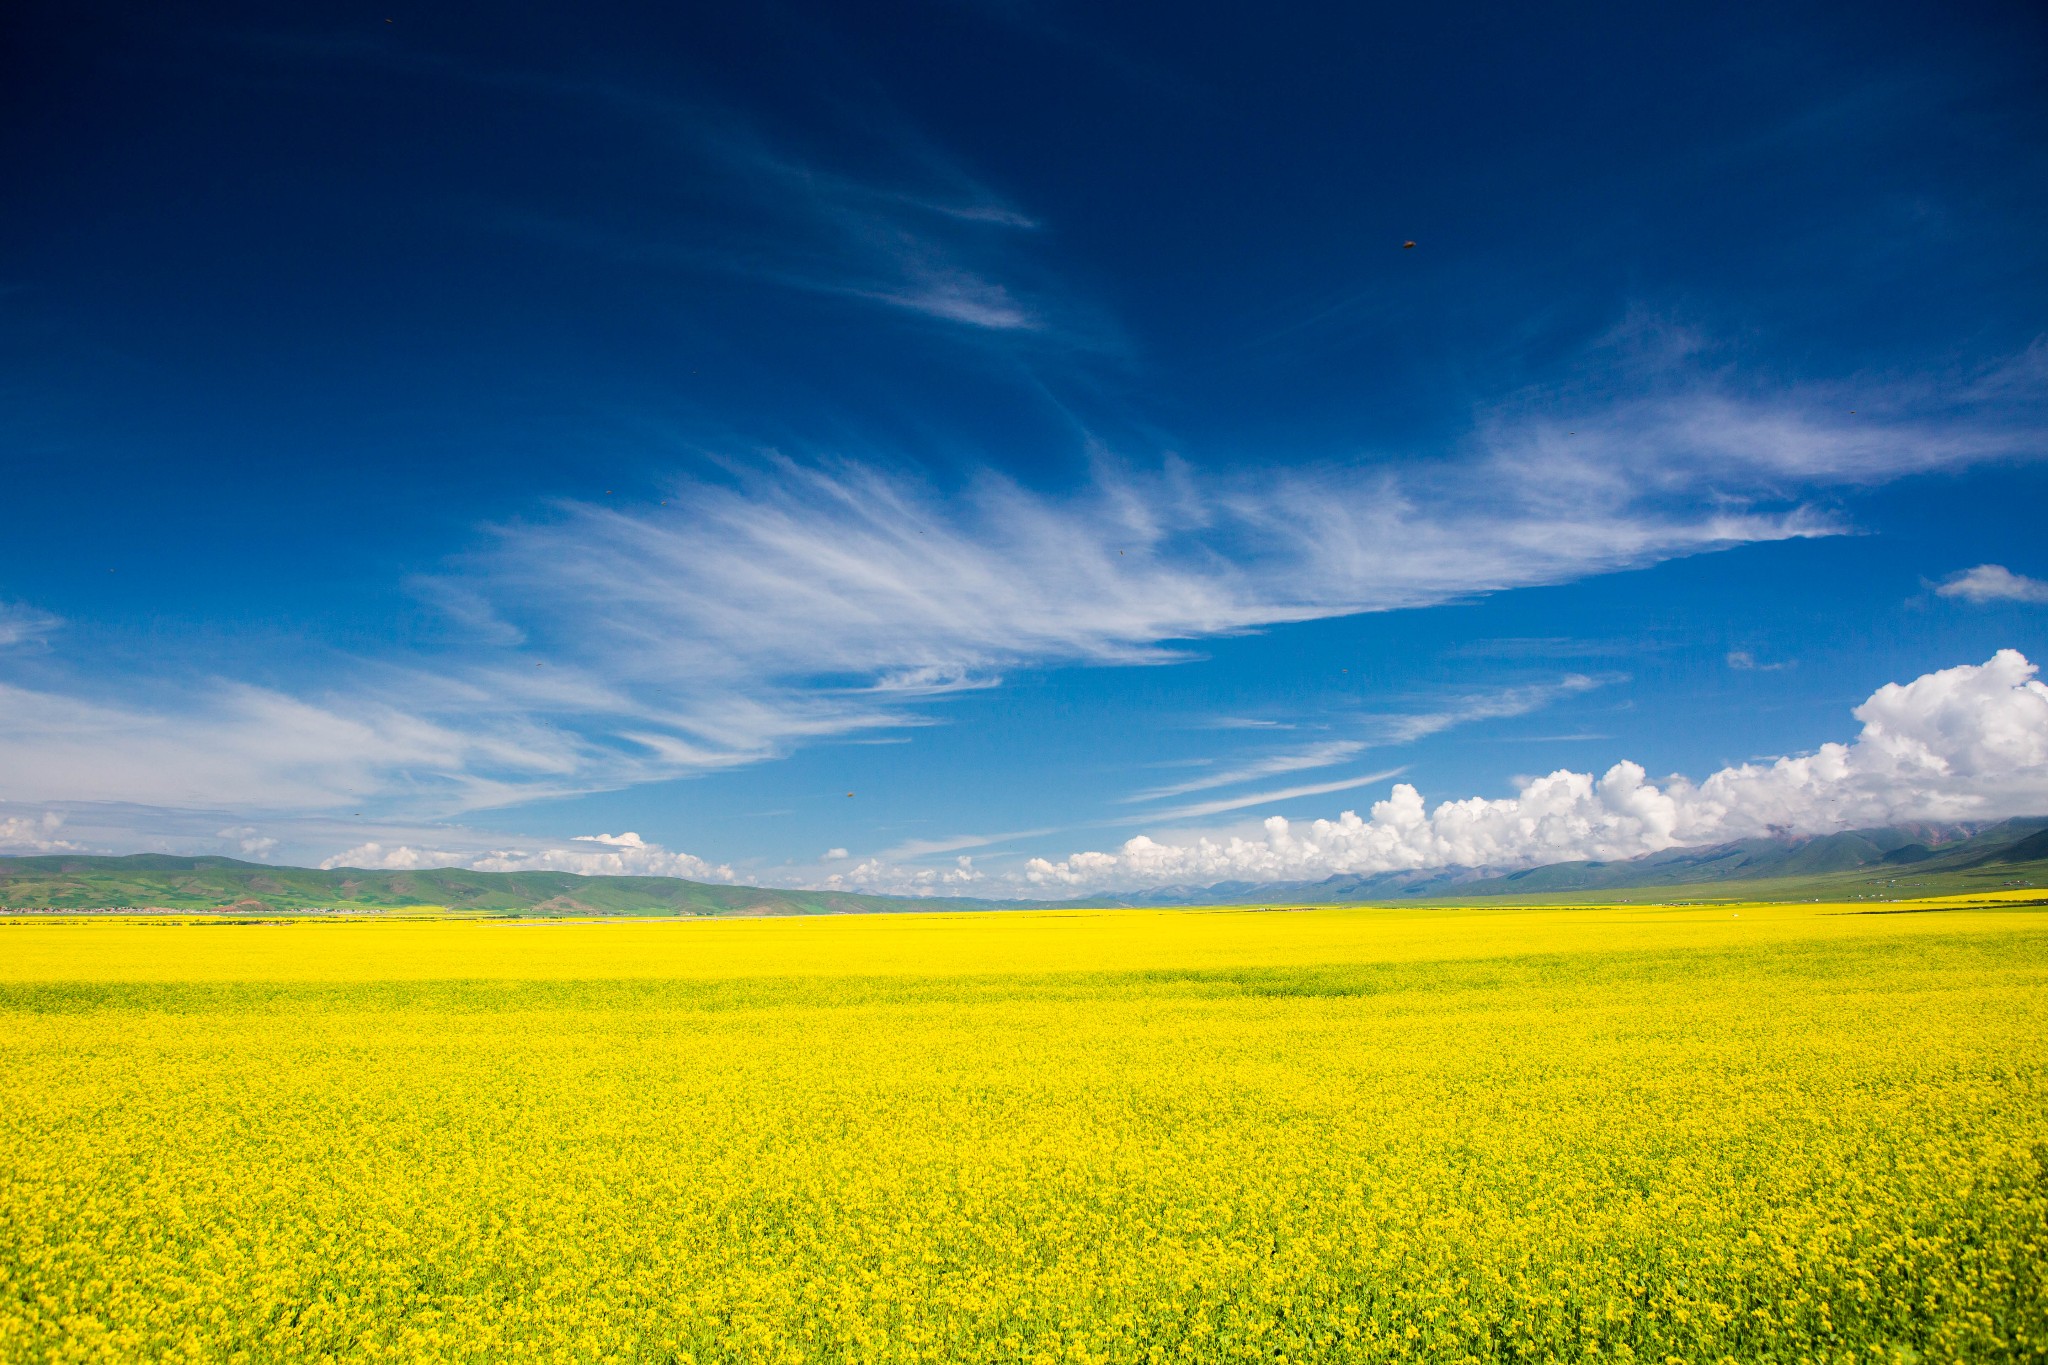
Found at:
[1963, 743]
[21, 624]
[927, 240]
[1266, 798]
[798, 600]
[627, 840]
[1289, 761]
[795, 602]
[1509, 701]
[1742, 661]
[920, 848]
[249, 841]
[1387, 730]
[621, 855]
[804, 601]
[928, 251]
[1969, 742]
[34, 834]
[249, 747]
[1670, 429]
[879, 877]
[1994, 583]
[310, 840]
[958, 297]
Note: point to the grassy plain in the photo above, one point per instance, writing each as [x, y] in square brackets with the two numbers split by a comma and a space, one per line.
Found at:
[1751, 1133]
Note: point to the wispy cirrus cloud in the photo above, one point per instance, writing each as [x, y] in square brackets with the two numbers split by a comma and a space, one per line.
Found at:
[922, 848]
[21, 624]
[241, 746]
[792, 601]
[910, 230]
[1200, 809]
[1499, 704]
[1382, 732]
[796, 601]
[1687, 418]
[1321, 755]
[915, 233]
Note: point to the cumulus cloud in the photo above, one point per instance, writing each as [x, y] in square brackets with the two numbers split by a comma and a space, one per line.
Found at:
[249, 841]
[34, 834]
[612, 855]
[1969, 742]
[311, 840]
[880, 877]
[627, 840]
[1994, 583]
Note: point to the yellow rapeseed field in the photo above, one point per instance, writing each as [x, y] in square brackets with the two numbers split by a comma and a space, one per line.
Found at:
[1727, 1133]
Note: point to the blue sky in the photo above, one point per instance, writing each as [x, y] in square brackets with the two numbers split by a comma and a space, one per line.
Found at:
[437, 437]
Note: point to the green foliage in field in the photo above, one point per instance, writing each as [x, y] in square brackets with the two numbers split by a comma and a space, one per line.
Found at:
[1820, 1139]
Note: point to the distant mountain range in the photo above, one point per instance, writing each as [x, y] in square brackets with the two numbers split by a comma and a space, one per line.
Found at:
[160, 881]
[1915, 859]
[1900, 860]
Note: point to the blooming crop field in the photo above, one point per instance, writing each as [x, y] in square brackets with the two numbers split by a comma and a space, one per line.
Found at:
[1746, 1133]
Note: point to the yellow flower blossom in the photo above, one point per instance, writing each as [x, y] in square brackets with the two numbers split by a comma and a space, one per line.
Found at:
[1631, 1133]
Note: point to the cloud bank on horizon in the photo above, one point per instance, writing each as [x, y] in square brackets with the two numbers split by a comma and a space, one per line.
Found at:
[1959, 744]
[1964, 743]
[590, 855]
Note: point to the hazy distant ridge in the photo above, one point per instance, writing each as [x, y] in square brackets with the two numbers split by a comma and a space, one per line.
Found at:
[1918, 859]
[65, 881]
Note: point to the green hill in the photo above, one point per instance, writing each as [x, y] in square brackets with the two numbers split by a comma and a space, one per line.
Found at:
[158, 881]
[1895, 862]
[1892, 863]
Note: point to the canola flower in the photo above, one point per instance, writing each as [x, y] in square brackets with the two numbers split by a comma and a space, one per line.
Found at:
[1723, 1133]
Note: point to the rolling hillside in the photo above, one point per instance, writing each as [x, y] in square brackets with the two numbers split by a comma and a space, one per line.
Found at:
[1918, 860]
[67, 882]
[1900, 861]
